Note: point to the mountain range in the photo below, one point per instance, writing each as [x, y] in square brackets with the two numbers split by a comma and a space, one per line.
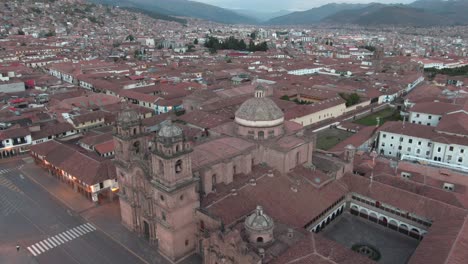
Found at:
[420, 13]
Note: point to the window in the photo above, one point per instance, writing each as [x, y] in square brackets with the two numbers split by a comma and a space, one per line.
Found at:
[271, 133]
[410, 140]
[450, 148]
[178, 166]
[384, 135]
[460, 159]
[449, 157]
[391, 145]
[399, 147]
[417, 115]
[401, 139]
[439, 149]
[181, 197]
[429, 144]
[462, 150]
[428, 152]
[405, 175]
[419, 143]
[449, 186]
[161, 197]
[430, 117]
[418, 151]
[213, 180]
[383, 144]
[163, 216]
[408, 149]
[428, 124]
[101, 185]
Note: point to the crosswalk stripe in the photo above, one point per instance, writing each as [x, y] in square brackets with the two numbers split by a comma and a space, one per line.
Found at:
[69, 238]
[82, 229]
[39, 247]
[78, 231]
[63, 237]
[46, 241]
[57, 240]
[87, 228]
[52, 242]
[37, 250]
[91, 226]
[32, 251]
[75, 233]
[44, 245]
[70, 234]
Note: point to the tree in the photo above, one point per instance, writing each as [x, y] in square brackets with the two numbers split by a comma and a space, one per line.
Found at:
[130, 38]
[253, 35]
[195, 41]
[190, 48]
[351, 99]
[20, 32]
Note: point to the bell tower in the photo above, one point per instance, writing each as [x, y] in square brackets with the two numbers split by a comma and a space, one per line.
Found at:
[129, 140]
[128, 136]
[175, 193]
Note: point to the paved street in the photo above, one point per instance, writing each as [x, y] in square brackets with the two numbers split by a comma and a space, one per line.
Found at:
[46, 230]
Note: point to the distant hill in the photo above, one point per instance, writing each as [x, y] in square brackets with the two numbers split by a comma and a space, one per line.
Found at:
[421, 13]
[260, 16]
[313, 15]
[155, 15]
[183, 8]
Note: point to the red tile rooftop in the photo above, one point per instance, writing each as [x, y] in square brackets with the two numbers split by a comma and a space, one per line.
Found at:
[218, 150]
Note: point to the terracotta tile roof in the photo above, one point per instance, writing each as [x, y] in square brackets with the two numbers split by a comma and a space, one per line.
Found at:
[203, 119]
[421, 131]
[218, 150]
[14, 133]
[456, 123]
[292, 208]
[105, 147]
[52, 128]
[435, 108]
[88, 169]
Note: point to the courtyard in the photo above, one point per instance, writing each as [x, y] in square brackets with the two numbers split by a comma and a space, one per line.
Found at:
[330, 137]
[352, 231]
[387, 114]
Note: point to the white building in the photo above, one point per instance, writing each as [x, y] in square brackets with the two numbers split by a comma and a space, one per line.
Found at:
[443, 146]
[430, 113]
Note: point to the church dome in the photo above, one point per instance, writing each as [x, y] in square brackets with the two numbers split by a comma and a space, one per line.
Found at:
[169, 130]
[259, 112]
[128, 116]
[259, 221]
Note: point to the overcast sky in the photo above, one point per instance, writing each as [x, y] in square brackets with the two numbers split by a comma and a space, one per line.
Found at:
[276, 5]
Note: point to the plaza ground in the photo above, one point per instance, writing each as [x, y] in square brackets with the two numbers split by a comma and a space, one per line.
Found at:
[394, 247]
[330, 137]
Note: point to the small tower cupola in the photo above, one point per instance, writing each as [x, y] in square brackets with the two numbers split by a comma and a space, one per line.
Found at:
[259, 227]
[260, 91]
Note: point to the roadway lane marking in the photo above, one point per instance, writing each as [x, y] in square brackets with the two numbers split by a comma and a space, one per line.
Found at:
[73, 232]
[44, 245]
[59, 239]
[92, 227]
[39, 247]
[82, 229]
[51, 241]
[37, 250]
[63, 237]
[32, 251]
[76, 230]
[46, 241]
[67, 236]
[70, 234]
[87, 228]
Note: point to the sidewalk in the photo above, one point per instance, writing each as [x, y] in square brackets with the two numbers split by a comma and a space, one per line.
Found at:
[106, 217]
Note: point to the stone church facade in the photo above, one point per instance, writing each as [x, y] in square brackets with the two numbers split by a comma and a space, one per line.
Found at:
[164, 178]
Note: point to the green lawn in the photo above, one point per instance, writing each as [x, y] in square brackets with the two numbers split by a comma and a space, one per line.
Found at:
[387, 114]
[330, 137]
